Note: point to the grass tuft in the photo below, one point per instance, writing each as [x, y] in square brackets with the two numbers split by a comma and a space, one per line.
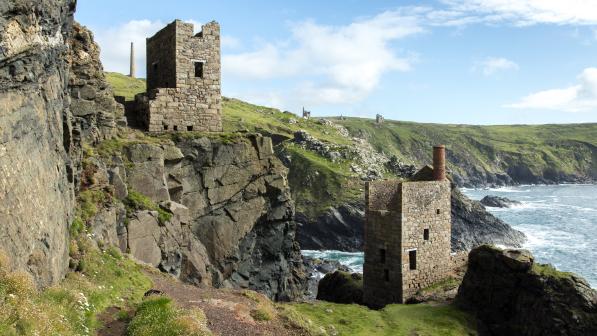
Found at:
[136, 201]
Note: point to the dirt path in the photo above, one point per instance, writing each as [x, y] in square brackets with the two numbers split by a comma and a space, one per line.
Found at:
[228, 311]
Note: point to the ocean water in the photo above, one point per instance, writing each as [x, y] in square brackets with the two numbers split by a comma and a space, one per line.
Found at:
[560, 223]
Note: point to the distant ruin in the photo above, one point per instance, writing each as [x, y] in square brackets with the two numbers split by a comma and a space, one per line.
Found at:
[306, 114]
[379, 119]
[183, 80]
[407, 235]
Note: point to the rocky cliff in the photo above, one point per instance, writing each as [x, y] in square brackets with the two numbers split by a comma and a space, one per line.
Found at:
[36, 140]
[212, 212]
[512, 295]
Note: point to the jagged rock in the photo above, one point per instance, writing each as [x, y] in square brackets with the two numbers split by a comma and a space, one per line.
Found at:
[38, 142]
[511, 295]
[92, 101]
[147, 174]
[341, 287]
[317, 269]
[498, 202]
[143, 236]
[472, 225]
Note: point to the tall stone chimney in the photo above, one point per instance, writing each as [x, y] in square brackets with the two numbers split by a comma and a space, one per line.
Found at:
[132, 72]
[439, 163]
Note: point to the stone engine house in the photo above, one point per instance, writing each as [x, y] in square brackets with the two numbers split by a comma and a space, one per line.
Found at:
[183, 80]
[407, 236]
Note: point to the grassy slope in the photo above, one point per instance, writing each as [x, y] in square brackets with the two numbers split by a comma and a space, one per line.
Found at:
[318, 183]
[124, 85]
[536, 146]
[420, 319]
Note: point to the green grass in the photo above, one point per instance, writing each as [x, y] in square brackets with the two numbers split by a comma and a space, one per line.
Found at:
[137, 201]
[88, 203]
[420, 319]
[70, 308]
[157, 316]
[548, 271]
[123, 85]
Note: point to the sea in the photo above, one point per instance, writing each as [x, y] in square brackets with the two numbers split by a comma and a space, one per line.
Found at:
[560, 222]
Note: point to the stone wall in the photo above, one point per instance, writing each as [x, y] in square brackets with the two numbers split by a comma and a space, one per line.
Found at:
[397, 215]
[425, 206]
[178, 100]
[36, 172]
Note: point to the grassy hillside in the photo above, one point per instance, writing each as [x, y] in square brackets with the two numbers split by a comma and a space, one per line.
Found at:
[125, 85]
[477, 154]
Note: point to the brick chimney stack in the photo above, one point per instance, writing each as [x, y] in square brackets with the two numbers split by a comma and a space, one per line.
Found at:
[439, 163]
[132, 70]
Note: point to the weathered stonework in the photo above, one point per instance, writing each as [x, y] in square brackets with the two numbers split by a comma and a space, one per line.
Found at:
[183, 80]
[407, 239]
[407, 235]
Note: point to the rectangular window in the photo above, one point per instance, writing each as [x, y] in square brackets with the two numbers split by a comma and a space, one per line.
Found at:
[426, 234]
[412, 259]
[437, 211]
[165, 127]
[386, 275]
[382, 256]
[189, 128]
[155, 66]
[175, 128]
[199, 69]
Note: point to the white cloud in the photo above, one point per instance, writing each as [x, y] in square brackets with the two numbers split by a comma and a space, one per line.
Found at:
[576, 98]
[492, 65]
[115, 43]
[333, 64]
[529, 12]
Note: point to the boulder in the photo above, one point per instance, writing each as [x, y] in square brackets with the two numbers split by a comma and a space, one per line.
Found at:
[498, 202]
[512, 295]
[341, 287]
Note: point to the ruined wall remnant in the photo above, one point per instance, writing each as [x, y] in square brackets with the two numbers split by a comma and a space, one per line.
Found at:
[407, 239]
[183, 80]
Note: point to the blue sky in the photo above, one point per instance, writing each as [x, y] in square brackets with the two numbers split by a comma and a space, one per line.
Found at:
[448, 61]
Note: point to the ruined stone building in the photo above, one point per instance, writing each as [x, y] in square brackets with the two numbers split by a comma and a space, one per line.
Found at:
[183, 80]
[407, 235]
[306, 114]
[379, 119]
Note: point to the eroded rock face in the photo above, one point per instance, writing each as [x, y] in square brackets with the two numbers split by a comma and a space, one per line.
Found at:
[36, 140]
[232, 222]
[510, 295]
[92, 101]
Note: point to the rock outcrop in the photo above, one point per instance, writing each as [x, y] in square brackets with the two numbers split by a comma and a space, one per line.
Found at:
[472, 225]
[512, 295]
[341, 287]
[498, 202]
[225, 215]
[36, 139]
[92, 101]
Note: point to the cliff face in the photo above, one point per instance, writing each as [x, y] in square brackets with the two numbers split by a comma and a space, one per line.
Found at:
[36, 170]
[225, 216]
[92, 101]
[512, 295]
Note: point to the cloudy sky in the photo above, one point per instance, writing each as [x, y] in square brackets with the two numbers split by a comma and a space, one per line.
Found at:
[449, 61]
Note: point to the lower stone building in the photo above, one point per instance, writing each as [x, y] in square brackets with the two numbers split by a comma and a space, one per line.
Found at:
[407, 236]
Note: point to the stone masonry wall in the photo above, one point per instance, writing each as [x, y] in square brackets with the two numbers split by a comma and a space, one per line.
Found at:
[396, 216]
[191, 103]
[425, 205]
